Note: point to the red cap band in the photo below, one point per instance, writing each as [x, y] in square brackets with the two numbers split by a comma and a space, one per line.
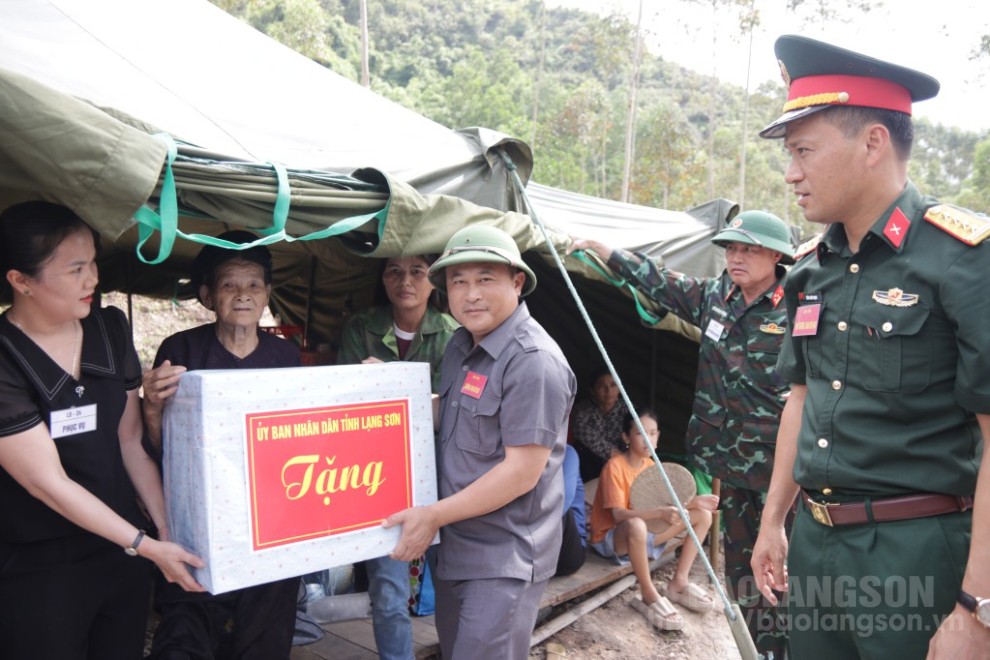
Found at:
[808, 91]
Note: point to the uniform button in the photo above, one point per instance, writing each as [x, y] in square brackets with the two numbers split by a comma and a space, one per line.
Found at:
[887, 327]
[854, 268]
[464, 368]
[843, 326]
[826, 491]
[453, 405]
[823, 443]
[836, 384]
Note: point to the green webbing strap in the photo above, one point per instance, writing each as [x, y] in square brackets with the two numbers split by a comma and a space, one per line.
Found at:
[280, 213]
[728, 609]
[166, 219]
[168, 222]
[648, 317]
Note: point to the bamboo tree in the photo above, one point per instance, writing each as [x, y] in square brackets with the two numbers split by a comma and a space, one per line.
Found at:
[365, 73]
[631, 112]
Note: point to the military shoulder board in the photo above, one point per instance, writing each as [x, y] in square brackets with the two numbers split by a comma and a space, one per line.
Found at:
[970, 228]
[807, 247]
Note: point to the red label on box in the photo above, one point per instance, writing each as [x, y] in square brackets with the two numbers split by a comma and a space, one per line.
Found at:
[324, 471]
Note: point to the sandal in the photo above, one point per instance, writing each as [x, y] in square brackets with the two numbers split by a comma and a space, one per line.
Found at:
[694, 597]
[660, 614]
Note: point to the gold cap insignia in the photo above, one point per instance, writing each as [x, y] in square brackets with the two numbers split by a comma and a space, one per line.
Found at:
[783, 73]
[895, 298]
[772, 329]
[970, 228]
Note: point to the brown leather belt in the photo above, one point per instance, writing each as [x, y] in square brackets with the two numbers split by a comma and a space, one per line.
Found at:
[888, 509]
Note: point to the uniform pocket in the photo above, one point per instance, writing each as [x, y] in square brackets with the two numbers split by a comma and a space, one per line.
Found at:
[896, 353]
[485, 436]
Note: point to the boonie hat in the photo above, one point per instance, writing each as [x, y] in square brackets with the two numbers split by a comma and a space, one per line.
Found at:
[758, 228]
[819, 75]
[481, 243]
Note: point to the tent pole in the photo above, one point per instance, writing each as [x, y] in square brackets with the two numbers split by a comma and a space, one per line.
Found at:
[309, 301]
[653, 368]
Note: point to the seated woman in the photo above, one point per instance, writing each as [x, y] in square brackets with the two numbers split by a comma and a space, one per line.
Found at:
[255, 622]
[596, 424]
[411, 329]
[620, 533]
[75, 564]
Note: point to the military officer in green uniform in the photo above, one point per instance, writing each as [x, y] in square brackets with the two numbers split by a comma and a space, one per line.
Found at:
[738, 395]
[888, 354]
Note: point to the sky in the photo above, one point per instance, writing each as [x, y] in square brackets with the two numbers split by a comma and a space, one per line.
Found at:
[933, 37]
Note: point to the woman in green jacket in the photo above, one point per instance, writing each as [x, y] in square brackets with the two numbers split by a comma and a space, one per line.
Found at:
[410, 328]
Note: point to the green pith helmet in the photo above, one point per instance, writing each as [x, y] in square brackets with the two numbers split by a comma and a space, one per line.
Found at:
[480, 243]
[758, 228]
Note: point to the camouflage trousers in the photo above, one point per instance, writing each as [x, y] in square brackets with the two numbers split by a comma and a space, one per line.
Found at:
[741, 509]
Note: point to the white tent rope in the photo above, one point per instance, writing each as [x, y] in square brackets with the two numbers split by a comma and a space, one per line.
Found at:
[622, 390]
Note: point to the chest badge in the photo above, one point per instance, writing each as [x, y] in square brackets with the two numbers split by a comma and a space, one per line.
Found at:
[806, 320]
[772, 329]
[895, 298]
[474, 384]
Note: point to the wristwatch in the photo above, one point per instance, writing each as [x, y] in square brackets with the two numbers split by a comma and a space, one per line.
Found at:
[132, 548]
[980, 607]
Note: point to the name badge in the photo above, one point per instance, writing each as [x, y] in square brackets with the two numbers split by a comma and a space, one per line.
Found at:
[806, 320]
[474, 385]
[714, 330]
[72, 421]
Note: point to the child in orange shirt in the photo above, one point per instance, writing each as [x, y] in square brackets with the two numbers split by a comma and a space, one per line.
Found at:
[620, 533]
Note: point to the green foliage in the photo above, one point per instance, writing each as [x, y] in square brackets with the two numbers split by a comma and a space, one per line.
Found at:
[975, 192]
[559, 79]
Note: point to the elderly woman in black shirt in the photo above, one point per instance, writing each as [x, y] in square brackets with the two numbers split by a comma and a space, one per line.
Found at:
[255, 622]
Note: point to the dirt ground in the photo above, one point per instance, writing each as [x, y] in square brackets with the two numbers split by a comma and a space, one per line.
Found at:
[616, 631]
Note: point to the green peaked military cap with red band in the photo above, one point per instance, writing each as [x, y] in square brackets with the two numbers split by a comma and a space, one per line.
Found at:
[819, 75]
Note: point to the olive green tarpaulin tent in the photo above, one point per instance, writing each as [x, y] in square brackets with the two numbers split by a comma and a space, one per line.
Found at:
[94, 95]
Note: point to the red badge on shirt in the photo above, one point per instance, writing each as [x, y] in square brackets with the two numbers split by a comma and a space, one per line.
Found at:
[806, 320]
[778, 295]
[474, 385]
[896, 228]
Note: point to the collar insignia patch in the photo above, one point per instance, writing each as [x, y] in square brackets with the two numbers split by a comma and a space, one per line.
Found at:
[896, 228]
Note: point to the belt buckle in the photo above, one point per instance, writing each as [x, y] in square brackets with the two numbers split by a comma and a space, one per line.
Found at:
[819, 511]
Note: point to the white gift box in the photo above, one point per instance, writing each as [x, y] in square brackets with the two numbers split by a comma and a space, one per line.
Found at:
[273, 473]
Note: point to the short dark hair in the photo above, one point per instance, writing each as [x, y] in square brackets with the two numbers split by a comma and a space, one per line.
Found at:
[598, 372]
[211, 257]
[851, 119]
[30, 232]
[380, 297]
[645, 411]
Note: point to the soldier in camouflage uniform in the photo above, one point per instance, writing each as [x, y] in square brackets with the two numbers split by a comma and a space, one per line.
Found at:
[738, 395]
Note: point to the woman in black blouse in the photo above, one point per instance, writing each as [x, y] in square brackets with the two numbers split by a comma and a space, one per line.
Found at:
[73, 583]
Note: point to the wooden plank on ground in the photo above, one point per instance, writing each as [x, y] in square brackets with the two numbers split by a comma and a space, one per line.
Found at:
[425, 641]
[332, 647]
[595, 573]
[355, 639]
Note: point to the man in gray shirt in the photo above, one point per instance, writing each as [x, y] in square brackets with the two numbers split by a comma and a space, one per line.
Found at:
[506, 393]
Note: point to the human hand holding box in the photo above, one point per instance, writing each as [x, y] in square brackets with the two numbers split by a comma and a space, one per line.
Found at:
[281, 472]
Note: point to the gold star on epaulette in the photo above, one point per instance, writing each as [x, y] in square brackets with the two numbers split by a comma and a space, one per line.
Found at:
[807, 247]
[970, 228]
